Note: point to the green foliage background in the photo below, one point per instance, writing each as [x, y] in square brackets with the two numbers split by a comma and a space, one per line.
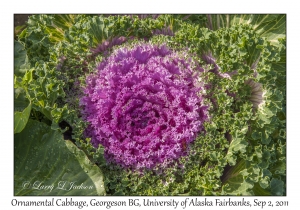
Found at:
[244, 149]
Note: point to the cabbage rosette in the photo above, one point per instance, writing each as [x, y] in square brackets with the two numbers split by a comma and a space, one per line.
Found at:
[144, 105]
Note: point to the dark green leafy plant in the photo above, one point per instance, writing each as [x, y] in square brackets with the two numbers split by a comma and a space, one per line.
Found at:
[242, 59]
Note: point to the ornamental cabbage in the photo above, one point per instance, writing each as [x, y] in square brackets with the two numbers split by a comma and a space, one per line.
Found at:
[144, 105]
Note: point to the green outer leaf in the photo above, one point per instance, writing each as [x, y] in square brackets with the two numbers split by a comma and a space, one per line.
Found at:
[21, 118]
[19, 29]
[20, 100]
[60, 23]
[63, 22]
[258, 190]
[235, 182]
[19, 54]
[41, 155]
[238, 143]
[20, 58]
[277, 187]
[97, 29]
[94, 172]
[272, 26]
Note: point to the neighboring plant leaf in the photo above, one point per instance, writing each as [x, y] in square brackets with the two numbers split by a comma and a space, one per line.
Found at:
[43, 158]
[19, 29]
[238, 143]
[271, 26]
[258, 190]
[20, 101]
[98, 27]
[234, 182]
[20, 59]
[277, 187]
[60, 23]
[21, 118]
